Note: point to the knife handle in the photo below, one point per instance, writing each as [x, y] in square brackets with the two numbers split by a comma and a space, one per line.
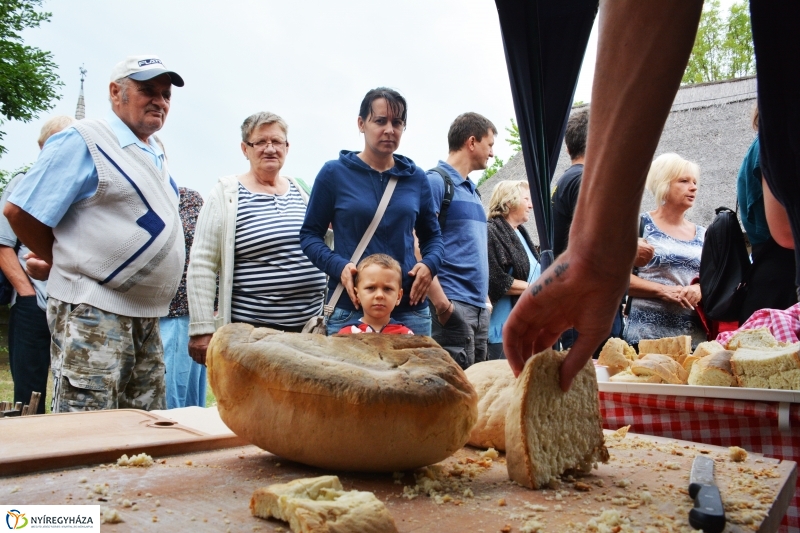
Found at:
[708, 513]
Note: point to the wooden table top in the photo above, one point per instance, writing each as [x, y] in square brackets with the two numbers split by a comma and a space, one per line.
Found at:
[644, 484]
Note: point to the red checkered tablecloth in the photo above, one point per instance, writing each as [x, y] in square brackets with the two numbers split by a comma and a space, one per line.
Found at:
[748, 424]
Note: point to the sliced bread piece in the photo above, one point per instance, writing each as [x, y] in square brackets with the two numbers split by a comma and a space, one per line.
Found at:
[707, 348]
[788, 380]
[713, 370]
[752, 338]
[663, 366]
[616, 355]
[548, 431]
[672, 346]
[753, 367]
[626, 376]
[321, 505]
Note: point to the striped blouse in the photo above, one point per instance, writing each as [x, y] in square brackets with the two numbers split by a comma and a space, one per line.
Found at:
[273, 280]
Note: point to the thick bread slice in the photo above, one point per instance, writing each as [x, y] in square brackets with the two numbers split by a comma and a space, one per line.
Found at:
[626, 376]
[689, 362]
[548, 431]
[753, 367]
[672, 346]
[616, 355]
[366, 403]
[321, 505]
[707, 348]
[788, 380]
[663, 366]
[494, 383]
[752, 338]
[713, 370]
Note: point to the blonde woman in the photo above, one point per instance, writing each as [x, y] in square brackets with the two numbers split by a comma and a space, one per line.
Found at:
[664, 297]
[513, 258]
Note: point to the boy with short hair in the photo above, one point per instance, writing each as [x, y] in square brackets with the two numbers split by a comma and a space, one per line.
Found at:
[378, 287]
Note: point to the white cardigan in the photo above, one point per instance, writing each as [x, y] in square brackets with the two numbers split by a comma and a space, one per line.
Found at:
[212, 252]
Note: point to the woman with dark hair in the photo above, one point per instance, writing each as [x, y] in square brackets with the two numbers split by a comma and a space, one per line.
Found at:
[346, 195]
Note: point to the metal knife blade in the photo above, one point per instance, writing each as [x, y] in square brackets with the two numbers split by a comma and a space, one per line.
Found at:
[708, 513]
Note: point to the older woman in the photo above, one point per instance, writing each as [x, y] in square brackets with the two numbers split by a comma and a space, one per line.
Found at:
[346, 194]
[513, 260]
[663, 295]
[248, 232]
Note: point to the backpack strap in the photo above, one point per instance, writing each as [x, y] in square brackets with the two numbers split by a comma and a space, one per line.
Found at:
[449, 192]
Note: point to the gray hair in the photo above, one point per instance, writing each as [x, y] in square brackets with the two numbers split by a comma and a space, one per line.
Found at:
[256, 120]
[123, 83]
[53, 126]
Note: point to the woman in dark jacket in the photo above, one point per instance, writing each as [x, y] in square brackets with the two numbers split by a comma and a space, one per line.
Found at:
[513, 258]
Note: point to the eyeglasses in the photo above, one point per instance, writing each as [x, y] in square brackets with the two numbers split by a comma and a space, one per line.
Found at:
[262, 145]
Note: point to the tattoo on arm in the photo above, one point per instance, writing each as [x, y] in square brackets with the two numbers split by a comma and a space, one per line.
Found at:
[559, 270]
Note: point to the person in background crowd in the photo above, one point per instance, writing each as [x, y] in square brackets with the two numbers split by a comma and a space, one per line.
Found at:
[771, 284]
[664, 297]
[100, 208]
[458, 293]
[513, 258]
[28, 335]
[185, 379]
[346, 194]
[248, 233]
[377, 287]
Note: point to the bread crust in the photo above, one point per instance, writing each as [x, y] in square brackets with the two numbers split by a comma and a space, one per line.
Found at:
[663, 366]
[369, 402]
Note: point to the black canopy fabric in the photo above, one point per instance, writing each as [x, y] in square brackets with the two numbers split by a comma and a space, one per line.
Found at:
[545, 41]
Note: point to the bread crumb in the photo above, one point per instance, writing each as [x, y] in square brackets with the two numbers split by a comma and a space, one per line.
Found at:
[109, 515]
[158, 503]
[506, 529]
[622, 483]
[126, 503]
[737, 454]
[672, 466]
[136, 460]
[533, 525]
[155, 518]
[468, 493]
[582, 487]
[501, 502]
[491, 453]
[83, 480]
[188, 463]
[100, 489]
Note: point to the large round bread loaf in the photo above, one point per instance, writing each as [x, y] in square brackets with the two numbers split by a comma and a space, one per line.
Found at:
[494, 383]
[367, 402]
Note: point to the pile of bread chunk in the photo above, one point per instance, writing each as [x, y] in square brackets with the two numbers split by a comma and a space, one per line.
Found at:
[752, 358]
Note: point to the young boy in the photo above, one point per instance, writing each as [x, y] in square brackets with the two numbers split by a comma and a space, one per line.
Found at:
[377, 286]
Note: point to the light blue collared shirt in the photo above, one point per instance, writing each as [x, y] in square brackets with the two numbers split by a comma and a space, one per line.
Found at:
[65, 173]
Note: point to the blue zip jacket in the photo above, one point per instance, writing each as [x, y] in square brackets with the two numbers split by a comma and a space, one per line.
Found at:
[346, 194]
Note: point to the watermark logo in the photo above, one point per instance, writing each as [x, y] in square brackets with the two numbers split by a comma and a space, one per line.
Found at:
[16, 519]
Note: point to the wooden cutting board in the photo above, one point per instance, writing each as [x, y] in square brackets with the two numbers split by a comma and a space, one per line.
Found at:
[210, 491]
[46, 442]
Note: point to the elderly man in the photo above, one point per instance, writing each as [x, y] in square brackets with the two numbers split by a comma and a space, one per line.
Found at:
[100, 210]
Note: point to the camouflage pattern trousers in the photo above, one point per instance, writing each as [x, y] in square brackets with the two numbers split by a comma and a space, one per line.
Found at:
[102, 360]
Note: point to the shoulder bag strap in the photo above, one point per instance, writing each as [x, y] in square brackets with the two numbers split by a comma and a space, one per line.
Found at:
[387, 195]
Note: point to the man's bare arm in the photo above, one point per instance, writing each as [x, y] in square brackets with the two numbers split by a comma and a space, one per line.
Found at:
[35, 235]
[642, 54]
[10, 266]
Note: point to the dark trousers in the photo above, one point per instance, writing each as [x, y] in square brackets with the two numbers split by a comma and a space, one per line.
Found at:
[28, 350]
[465, 336]
[771, 284]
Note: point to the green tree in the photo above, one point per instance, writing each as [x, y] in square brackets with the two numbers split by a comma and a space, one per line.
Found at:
[6, 176]
[28, 81]
[723, 48]
[513, 136]
[496, 165]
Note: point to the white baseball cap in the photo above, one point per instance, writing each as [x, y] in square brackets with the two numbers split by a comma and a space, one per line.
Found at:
[141, 68]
